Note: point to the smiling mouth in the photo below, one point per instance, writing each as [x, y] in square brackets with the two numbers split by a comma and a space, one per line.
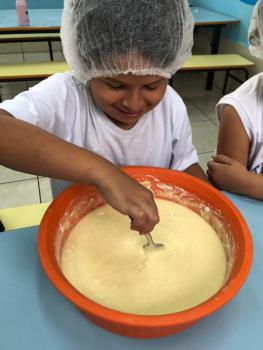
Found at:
[131, 114]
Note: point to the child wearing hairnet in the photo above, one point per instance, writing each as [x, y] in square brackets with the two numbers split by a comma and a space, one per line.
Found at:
[238, 165]
[115, 103]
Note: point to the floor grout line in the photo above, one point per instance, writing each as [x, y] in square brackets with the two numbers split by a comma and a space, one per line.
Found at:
[212, 120]
[15, 181]
[201, 111]
[39, 191]
[201, 121]
[212, 151]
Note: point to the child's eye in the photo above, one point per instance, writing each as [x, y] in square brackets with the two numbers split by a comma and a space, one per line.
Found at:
[155, 85]
[151, 87]
[115, 86]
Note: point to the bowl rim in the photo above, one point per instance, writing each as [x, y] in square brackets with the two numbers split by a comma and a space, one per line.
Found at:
[223, 296]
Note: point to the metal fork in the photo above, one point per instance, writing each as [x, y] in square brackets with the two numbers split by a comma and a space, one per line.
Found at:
[150, 243]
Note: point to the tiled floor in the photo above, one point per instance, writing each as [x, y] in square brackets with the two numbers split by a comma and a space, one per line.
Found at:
[21, 189]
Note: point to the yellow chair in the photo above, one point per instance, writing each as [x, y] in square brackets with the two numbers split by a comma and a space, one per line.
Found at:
[31, 71]
[24, 216]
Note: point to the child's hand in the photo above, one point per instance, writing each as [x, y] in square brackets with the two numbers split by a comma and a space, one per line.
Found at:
[227, 174]
[131, 198]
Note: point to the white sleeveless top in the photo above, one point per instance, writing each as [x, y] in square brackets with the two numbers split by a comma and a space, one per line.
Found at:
[247, 100]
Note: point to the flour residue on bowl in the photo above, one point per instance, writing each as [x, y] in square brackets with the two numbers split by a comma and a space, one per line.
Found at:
[106, 261]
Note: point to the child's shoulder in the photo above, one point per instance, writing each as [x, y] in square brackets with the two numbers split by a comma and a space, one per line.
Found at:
[249, 94]
[252, 88]
[172, 98]
[246, 100]
[172, 94]
[59, 79]
[171, 110]
[60, 85]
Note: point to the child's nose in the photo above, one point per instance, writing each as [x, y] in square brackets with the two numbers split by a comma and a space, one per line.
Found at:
[133, 102]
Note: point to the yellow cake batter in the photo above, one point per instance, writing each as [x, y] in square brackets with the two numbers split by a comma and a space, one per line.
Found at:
[106, 261]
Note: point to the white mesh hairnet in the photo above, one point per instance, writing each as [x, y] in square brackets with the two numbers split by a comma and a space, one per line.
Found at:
[255, 33]
[111, 37]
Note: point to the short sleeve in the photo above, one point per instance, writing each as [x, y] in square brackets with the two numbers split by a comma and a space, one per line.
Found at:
[247, 101]
[42, 105]
[241, 110]
[183, 151]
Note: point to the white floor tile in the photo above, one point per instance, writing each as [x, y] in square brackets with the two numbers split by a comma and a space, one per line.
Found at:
[215, 121]
[195, 115]
[38, 46]
[12, 89]
[32, 83]
[36, 56]
[204, 136]
[8, 175]
[6, 97]
[7, 48]
[206, 104]
[58, 56]
[204, 158]
[11, 58]
[56, 46]
[189, 85]
[19, 193]
[45, 189]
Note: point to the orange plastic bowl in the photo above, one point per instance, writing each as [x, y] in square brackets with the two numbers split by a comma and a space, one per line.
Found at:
[66, 210]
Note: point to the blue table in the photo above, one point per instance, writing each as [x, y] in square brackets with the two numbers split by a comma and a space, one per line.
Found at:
[34, 316]
[41, 20]
[206, 17]
[49, 20]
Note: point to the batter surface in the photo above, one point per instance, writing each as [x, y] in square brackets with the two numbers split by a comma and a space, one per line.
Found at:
[106, 261]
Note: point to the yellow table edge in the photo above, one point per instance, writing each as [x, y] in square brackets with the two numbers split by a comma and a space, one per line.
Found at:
[32, 70]
[217, 61]
[29, 36]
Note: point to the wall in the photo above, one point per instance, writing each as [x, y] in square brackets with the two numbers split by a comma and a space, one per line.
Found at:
[233, 8]
[10, 4]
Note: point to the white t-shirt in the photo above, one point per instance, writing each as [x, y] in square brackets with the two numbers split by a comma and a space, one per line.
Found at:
[247, 100]
[65, 107]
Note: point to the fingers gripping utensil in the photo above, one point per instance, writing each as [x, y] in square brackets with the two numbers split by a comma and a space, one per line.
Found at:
[150, 243]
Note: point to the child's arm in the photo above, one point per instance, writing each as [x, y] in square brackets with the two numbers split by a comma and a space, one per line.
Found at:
[196, 171]
[228, 170]
[27, 148]
[230, 175]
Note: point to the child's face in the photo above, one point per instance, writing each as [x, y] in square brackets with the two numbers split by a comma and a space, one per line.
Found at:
[126, 98]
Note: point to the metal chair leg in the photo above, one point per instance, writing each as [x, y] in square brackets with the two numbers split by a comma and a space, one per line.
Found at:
[225, 82]
[50, 50]
[229, 75]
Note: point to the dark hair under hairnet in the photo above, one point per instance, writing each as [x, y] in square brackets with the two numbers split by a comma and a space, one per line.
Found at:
[111, 37]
